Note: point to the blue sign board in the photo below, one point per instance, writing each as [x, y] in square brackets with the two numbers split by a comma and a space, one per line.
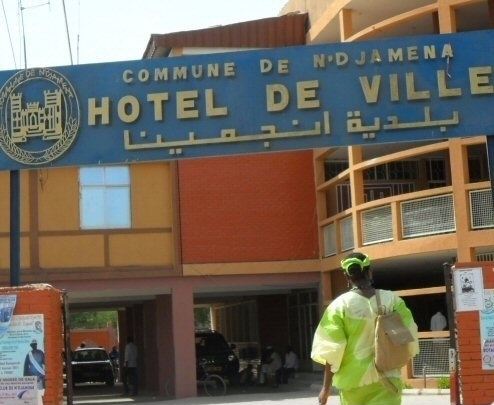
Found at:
[404, 89]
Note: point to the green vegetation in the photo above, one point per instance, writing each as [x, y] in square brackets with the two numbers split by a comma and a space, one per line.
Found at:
[202, 317]
[103, 319]
[443, 382]
[93, 320]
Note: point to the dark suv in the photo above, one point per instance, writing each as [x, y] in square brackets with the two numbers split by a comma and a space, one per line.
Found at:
[92, 365]
[215, 355]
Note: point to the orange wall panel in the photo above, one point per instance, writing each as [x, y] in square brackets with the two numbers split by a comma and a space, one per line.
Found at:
[58, 196]
[248, 208]
[58, 199]
[71, 251]
[153, 249]
[5, 252]
[5, 201]
[54, 216]
[152, 195]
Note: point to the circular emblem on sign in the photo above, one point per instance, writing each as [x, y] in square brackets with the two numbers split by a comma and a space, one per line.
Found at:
[39, 116]
[488, 353]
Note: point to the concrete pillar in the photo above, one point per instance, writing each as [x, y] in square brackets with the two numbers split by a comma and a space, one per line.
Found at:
[165, 349]
[459, 180]
[181, 304]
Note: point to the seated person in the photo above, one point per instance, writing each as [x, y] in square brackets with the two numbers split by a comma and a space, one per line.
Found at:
[271, 367]
[246, 376]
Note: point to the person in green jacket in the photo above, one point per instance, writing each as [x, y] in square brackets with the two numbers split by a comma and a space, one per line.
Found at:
[344, 340]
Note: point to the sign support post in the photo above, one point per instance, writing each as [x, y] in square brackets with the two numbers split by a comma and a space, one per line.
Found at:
[453, 355]
[15, 228]
[490, 159]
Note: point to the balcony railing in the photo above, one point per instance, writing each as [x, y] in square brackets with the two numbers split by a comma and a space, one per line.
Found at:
[419, 217]
[481, 206]
[377, 225]
[433, 358]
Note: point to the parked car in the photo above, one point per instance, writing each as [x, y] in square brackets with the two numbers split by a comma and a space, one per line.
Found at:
[92, 365]
[214, 355]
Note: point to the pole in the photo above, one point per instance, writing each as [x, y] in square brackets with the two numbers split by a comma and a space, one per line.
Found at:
[68, 350]
[453, 355]
[490, 160]
[15, 228]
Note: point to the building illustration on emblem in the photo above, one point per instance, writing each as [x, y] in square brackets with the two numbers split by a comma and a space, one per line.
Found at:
[36, 120]
[52, 116]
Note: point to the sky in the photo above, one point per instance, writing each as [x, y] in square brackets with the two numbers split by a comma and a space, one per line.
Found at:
[107, 30]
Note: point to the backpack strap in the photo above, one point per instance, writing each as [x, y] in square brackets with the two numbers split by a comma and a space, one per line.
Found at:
[379, 306]
[385, 379]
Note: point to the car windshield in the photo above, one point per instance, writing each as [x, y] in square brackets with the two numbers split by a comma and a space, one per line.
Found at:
[210, 344]
[90, 355]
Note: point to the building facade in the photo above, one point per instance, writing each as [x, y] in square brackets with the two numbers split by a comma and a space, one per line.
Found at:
[411, 207]
[260, 237]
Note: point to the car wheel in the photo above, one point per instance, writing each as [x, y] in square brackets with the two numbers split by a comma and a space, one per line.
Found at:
[110, 382]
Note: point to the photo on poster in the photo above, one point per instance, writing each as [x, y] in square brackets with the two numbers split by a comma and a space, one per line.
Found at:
[469, 289]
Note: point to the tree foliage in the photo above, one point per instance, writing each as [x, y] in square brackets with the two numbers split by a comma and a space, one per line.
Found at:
[93, 320]
[103, 319]
[202, 317]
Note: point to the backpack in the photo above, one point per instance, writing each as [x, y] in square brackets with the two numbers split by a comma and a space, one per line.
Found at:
[391, 340]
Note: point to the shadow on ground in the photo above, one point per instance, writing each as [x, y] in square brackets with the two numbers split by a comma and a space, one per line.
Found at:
[100, 393]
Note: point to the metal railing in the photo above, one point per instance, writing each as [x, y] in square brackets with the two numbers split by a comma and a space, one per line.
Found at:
[432, 360]
[420, 217]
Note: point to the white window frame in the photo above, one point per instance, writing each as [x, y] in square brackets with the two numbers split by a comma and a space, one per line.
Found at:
[105, 197]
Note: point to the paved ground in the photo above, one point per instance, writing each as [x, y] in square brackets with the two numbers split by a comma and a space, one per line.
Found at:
[300, 393]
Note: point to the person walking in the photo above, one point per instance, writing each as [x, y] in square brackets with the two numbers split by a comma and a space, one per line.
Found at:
[115, 360]
[344, 340]
[130, 378]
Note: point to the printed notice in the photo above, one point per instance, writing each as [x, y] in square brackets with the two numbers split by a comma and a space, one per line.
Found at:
[19, 391]
[487, 331]
[22, 361]
[469, 289]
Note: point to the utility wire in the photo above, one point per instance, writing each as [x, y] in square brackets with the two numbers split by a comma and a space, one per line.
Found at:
[67, 31]
[23, 33]
[78, 28]
[10, 37]
[21, 9]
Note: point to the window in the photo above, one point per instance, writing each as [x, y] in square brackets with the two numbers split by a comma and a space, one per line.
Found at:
[403, 170]
[105, 197]
[477, 170]
[436, 172]
[333, 168]
[400, 170]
